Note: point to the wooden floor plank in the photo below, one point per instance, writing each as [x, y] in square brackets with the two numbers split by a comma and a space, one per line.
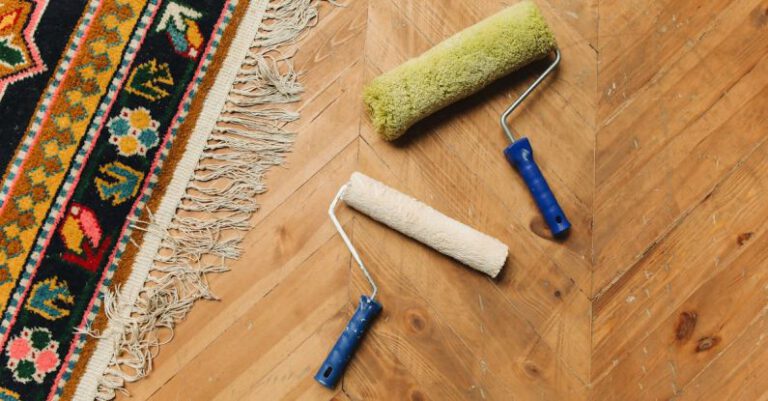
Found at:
[705, 244]
[642, 40]
[248, 349]
[293, 378]
[661, 155]
[736, 374]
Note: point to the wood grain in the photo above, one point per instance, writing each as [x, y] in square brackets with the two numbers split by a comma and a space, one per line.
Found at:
[653, 136]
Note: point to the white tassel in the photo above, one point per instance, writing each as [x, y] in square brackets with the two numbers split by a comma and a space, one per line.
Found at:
[248, 140]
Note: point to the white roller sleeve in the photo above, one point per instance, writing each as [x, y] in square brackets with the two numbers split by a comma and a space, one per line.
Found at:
[422, 223]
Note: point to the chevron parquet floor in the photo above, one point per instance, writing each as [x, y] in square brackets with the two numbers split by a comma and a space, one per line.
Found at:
[653, 136]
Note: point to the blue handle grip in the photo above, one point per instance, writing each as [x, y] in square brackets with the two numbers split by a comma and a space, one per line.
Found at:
[336, 362]
[520, 155]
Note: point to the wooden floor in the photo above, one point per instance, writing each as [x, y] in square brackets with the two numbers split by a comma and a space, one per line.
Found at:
[653, 136]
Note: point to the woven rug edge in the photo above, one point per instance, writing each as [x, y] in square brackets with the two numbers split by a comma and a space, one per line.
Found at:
[118, 359]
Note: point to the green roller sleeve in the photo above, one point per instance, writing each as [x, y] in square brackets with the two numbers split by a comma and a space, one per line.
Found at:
[457, 67]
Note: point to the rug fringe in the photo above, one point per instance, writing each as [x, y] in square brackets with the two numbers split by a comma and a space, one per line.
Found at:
[214, 213]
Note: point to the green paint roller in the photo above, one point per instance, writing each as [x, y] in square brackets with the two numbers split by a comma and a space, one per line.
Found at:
[461, 66]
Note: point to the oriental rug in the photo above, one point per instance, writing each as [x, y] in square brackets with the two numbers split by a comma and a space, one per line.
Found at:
[132, 147]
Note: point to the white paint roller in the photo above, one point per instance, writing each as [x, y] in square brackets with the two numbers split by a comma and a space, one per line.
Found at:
[424, 224]
[416, 220]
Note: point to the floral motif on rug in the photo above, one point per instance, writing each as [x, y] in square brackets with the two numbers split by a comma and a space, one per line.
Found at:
[92, 93]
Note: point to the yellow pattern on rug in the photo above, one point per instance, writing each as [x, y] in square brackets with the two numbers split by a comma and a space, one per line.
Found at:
[86, 79]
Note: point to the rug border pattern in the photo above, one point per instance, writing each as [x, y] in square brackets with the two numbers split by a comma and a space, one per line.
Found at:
[33, 136]
[146, 192]
[98, 362]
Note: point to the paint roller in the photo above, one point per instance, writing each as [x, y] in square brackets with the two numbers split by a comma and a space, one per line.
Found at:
[461, 66]
[416, 220]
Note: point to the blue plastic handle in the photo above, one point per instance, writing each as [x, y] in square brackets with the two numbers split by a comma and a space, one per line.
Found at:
[336, 362]
[520, 155]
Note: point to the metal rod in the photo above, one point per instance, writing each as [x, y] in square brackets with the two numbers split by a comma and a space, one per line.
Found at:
[343, 234]
[510, 109]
